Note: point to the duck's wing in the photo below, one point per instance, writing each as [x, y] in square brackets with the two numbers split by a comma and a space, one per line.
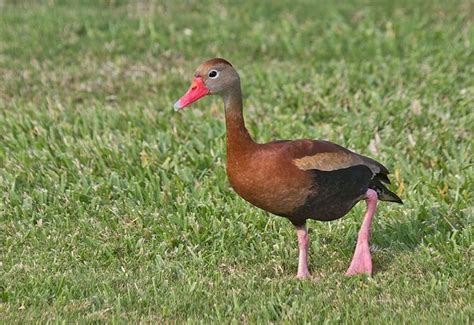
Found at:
[326, 156]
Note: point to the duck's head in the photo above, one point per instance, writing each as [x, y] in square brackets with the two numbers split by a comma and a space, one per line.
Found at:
[213, 77]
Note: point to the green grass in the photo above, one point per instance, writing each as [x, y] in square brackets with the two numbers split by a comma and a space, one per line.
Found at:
[116, 208]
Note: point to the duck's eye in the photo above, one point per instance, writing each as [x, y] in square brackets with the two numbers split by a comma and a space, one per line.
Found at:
[213, 74]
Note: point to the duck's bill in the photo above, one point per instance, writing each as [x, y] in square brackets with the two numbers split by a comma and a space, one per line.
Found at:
[196, 91]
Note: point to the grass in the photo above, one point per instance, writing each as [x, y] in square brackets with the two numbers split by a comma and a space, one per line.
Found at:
[115, 208]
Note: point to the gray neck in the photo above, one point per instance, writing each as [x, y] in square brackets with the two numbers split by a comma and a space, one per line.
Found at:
[237, 133]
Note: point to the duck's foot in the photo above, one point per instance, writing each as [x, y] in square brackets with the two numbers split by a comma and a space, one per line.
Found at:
[361, 262]
[303, 275]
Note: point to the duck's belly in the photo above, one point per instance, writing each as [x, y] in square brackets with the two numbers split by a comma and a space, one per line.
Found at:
[297, 196]
[334, 193]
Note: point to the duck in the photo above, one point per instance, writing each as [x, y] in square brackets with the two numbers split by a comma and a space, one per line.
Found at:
[294, 179]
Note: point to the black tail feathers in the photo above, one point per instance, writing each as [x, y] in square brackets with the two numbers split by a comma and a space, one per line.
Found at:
[383, 193]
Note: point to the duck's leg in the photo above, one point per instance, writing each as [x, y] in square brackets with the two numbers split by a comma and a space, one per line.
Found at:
[303, 243]
[361, 261]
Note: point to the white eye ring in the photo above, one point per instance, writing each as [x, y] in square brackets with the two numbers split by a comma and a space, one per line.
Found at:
[213, 74]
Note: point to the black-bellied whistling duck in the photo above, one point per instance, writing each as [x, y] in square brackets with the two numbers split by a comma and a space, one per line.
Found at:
[300, 179]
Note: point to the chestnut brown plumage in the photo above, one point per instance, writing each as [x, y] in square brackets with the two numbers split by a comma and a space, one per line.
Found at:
[299, 180]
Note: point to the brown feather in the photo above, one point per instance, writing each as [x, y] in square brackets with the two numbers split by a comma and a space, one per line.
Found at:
[216, 61]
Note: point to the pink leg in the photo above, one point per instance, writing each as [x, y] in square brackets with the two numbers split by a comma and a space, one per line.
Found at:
[303, 242]
[361, 261]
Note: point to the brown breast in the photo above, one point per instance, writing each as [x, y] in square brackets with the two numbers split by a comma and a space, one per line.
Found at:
[268, 179]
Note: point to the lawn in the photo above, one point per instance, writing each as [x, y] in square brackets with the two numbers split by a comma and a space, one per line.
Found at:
[116, 208]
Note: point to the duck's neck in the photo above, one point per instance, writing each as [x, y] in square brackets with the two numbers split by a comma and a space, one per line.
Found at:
[238, 138]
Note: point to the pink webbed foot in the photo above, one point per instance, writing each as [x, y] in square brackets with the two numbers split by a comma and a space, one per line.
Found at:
[302, 275]
[362, 261]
